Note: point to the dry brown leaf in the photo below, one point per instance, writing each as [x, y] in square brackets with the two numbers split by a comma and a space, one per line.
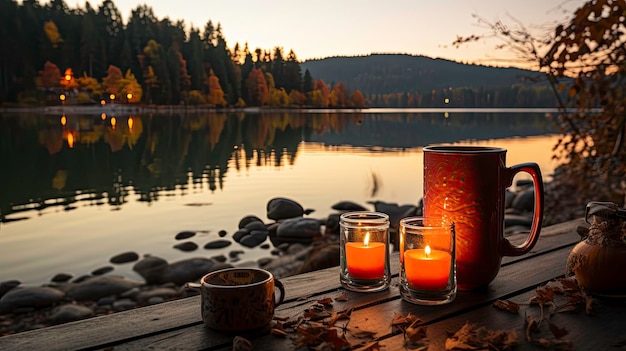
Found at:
[555, 344]
[281, 319]
[336, 316]
[416, 334]
[342, 297]
[507, 305]
[302, 298]
[531, 327]
[556, 331]
[402, 321]
[471, 337]
[278, 332]
[327, 301]
[363, 334]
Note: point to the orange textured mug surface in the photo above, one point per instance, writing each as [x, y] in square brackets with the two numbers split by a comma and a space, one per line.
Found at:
[467, 185]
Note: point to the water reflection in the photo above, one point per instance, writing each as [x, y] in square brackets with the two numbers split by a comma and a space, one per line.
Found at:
[64, 161]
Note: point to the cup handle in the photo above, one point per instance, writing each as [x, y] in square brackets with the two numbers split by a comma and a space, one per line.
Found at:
[531, 168]
[281, 288]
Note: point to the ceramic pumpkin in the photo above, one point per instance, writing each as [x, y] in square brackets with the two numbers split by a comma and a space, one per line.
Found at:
[598, 261]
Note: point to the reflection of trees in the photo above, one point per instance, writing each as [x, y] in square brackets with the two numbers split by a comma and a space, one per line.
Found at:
[108, 158]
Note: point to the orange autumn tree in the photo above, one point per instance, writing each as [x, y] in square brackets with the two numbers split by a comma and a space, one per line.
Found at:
[357, 99]
[109, 82]
[216, 93]
[50, 76]
[258, 92]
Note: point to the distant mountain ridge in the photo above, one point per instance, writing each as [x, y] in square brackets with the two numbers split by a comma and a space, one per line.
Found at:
[393, 73]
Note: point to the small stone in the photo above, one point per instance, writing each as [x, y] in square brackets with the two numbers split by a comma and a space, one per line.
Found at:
[217, 244]
[265, 246]
[97, 287]
[124, 258]
[186, 246]
[150, 268]
[31, 297]
[282, 208]
[102, 270]
[348, 206]
[61, 278]
[248, 219]
[8, 285]
[123, 304]
[220, 258]
[299, 228]
[70, 312]
[82, 278]
[106, 301]
[163, 293]
[184, 235]
[264, 261]
[222, 233]
[255, 226]
[235, 253]
[275, 252]
[255, 238]
[238, 235]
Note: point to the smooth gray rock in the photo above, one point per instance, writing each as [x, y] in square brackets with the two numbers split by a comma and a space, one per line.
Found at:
[184, 235]
[525, 200]
[248, 219]
[35, 297]
[238, 235]
[61, 278]
[8, 285]
[190, 270]
[222, 233]
[124, 304]
[255, 238]
[99, 287]
[102, 270]
[217, 244]
[186, 246]
[150, 268]
[282, 208]
[124, 257]
[299, 227]
[70, 312]
[163, 293]
[348, 206]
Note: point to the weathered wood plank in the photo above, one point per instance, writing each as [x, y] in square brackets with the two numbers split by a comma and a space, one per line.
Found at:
[601, 330]
[179, 316]
[375, 311]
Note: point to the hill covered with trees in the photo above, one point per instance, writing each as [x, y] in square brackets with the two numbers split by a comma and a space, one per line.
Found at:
[52, 54]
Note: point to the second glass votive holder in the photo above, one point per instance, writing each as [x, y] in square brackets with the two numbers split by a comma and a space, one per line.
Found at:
[364, 250]
[427, 260]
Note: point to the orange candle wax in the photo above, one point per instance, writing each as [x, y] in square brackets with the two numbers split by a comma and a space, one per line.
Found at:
[365, 260]
[427, 269]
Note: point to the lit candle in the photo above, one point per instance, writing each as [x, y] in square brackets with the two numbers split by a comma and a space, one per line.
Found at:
[427, 269]
[365, 260]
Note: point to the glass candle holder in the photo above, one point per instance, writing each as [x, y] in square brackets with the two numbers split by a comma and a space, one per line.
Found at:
[427, 260]
[364, 250]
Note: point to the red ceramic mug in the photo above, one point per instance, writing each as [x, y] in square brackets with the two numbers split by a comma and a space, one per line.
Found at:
[467, 184]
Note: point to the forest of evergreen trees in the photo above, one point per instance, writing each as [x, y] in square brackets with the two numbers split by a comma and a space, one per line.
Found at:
[52, 54]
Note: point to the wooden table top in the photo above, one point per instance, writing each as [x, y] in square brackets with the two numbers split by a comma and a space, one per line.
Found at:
[375, 319]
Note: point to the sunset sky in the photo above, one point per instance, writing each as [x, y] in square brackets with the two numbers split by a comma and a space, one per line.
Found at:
[322, 28]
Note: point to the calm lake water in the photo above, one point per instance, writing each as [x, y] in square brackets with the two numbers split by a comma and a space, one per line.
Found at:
[76, 190]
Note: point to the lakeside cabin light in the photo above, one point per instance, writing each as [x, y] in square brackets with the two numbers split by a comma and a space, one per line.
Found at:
[62, 97]
[129, 97]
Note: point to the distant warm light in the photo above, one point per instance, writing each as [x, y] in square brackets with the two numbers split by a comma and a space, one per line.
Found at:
[62, 97]
[102, 102]
[129, 96]
[130, 123]
[112, 96]
[113, 122]
[63, 120]
[70, 140]
[446, 100]
[68, 77]
[446, 115]
[103, 116]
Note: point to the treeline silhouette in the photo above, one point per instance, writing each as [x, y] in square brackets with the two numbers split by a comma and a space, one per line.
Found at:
[60, 162]
[52, 54]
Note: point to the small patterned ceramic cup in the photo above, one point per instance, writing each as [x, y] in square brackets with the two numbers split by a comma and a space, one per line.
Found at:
[238, 299]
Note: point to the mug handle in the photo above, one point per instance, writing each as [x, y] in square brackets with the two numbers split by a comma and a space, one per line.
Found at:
[531, 168]
[281, 288]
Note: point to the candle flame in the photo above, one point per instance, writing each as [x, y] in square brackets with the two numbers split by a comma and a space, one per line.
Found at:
[427, 250]
[366, 241]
